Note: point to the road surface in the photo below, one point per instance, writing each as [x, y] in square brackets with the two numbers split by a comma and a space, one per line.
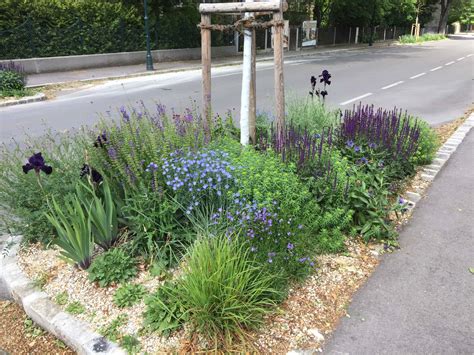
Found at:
[433, 81]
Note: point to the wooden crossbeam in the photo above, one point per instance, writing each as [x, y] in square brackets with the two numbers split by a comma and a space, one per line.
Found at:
[241, 7]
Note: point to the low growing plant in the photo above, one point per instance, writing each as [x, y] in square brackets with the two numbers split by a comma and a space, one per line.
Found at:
[128, 295]
[113, 267]
[75, 307]
[164, 313]
[131, 344]
[112, 331]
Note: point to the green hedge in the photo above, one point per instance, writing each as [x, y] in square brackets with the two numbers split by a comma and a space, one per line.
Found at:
[44, 28]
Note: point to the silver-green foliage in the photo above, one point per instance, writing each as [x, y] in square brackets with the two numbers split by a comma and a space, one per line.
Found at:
[311, 114]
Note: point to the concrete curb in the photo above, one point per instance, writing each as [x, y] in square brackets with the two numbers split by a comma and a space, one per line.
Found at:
[429, 172]
[44, 312]
[24, 100]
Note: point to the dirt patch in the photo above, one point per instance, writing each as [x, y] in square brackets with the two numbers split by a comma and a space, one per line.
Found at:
[19, 335]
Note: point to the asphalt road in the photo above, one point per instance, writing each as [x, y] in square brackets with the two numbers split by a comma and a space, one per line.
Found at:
[433, 81]
[420, 299]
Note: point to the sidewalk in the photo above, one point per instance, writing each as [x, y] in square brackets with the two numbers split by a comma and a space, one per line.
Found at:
[163, 67]
[420, 300]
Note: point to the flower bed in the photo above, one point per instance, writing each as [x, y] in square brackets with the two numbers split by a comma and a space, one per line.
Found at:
[172, 237]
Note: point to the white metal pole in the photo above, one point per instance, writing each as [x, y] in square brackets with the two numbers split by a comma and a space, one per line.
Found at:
[357, 36]
[246, 82]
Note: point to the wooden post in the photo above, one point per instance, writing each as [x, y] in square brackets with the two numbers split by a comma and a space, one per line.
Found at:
[279, 80]
[253, 92]
[206, 71]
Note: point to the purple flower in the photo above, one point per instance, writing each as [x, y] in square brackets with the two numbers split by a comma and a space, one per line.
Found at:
[36, 162]
[94, 174]
[350, 143]
[363, 160]
[401, 201]
[101, 140]
[125, 115]
[372, 145]
[112, 153]
[325, 76]
[290, 246]
[356, 149]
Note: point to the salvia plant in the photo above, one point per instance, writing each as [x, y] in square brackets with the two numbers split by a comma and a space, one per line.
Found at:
[392, 131]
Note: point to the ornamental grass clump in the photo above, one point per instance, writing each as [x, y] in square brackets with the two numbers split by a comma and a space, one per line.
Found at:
[224, 293]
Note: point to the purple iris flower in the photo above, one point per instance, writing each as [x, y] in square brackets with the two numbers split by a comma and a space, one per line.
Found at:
[363, 160]
[290, 246]
[350, 143]
[94, 174]
[36, 162]
[325, 76]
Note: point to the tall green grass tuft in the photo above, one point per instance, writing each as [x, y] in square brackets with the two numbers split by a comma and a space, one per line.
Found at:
[224, 292]
[311, 114]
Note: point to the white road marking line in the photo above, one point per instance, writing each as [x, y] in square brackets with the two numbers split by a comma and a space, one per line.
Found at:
[355, 99]
[449, 63]
[469, 55]
[459, 59]
[417, 76]
[392, 85]
[437, 68]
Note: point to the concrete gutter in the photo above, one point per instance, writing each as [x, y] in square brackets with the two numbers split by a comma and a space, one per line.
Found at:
[14, 285]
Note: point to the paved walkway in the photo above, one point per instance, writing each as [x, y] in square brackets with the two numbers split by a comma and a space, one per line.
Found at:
[420, 300]
[131, 70]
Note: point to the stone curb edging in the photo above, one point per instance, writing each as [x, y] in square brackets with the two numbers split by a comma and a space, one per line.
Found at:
[24, 100]
[76, 333]
[443, 154]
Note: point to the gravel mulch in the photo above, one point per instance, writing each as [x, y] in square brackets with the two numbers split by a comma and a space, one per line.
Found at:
[19, 335]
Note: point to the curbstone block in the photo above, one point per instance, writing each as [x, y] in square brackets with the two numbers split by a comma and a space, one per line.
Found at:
[413, 196]
[427, 177]
[442, 155]
[430, 171]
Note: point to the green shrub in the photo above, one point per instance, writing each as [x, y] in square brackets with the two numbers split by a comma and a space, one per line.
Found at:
[223, 291]
[61, 298]
[10, 82]
[44, 28]
[428, 144]
[73, 226]
[128, 295]
[154, 224]
[310, 114]
[113, 267]
[265, 180]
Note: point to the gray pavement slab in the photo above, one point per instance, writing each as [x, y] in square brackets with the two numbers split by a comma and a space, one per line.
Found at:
[420, 300]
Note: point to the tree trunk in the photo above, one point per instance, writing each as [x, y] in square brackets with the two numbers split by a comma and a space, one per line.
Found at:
[443, 18]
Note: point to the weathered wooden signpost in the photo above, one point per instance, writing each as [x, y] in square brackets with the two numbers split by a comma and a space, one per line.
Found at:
[247, 24]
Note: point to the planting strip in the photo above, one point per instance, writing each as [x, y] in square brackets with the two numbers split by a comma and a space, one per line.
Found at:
[76, 333]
